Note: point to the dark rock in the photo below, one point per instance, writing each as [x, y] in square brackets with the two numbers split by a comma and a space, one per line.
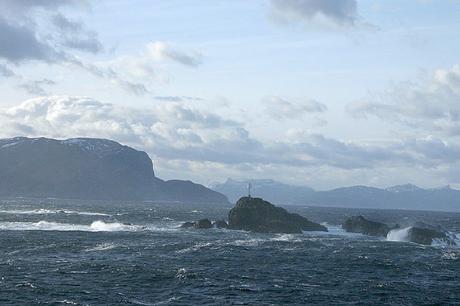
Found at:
[422, 233]
[203, 224]
[359, 224]
[220, 224]
[425, 235]
[188, 225]
[257, 215]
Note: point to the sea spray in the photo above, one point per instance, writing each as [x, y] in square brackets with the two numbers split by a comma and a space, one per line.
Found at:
[398, 234]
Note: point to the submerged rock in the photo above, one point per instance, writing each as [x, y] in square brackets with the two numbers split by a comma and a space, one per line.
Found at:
[359, 224]
[257, 215]
[203, 224]
[220, 224]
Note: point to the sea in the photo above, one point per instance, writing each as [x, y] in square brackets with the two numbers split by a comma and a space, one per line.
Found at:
[62, 252]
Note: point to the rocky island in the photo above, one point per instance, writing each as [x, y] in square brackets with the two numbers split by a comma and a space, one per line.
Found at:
[257, 215]
[359, 224]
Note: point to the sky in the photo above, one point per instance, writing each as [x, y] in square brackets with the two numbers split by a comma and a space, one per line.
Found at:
[323, 93]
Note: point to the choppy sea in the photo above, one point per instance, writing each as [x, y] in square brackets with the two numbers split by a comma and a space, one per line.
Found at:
[99, 253]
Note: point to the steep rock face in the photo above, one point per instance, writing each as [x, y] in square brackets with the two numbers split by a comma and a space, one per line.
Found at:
[87, 168]
[359, 224]
[257, 215]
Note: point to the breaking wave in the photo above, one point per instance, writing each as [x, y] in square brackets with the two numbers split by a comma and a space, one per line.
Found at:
[43, 211]
[102, 247]
[399, 234]
[96, 226]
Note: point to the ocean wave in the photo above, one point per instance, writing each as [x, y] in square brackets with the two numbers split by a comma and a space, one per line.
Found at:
[286, 238]
[334, 230]
[402, 235]
[96, 226]
[43, 211]
[102, 247]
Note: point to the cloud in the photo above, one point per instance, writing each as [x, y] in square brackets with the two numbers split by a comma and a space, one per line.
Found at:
[23, 6]
[19, 43]
[338, 12]
[36, 87]
[430, 104]
[5, 71]
[176, 98]
[173, 131]
[280, 108]
[38, 31]
[26, 36]
[75, 36]
[161, 50]
[182, 139]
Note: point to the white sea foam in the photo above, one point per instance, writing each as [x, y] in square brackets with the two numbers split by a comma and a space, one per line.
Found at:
[102, 247]
[43, 211]
[195, 247]
[399, 234]
[96, 226]
[334, 230]
[286, 238]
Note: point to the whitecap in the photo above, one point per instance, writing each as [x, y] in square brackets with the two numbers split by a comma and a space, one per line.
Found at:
[43, 211]
[399, 234]
[247, 242]
[102, 247]
[286, 238]
[96, 226]
[195, 247]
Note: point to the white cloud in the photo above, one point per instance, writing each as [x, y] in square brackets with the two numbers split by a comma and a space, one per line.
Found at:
[182, 139]
[176, 131]
[281, 108]
[431, 104]
[161, 50]
[336, 12]
[25, 34]
[38, 31]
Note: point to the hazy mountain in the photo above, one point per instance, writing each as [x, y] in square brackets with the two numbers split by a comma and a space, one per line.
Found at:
[269, 190]
[400, 197]
[86, 168]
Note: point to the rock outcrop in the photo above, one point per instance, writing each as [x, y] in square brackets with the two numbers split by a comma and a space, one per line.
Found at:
[359, 224]
[426, 236]
[257, 215]
[420, 233]
[203, 224]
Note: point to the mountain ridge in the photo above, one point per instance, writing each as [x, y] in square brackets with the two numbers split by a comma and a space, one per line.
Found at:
[407, 196]
[90, 169]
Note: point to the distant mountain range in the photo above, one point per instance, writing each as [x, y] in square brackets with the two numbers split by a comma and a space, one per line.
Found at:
[86, 168]
[397, 197]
